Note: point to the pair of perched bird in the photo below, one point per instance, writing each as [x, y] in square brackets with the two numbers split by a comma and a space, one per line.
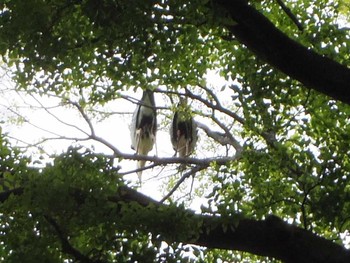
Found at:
[183, 130]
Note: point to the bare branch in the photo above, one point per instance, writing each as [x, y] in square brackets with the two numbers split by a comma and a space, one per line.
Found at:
[36, 144]
[217, 136]
[139, 102]
[192, 172]
[222, 138]
[211, 93]
[30, 123]
[138, 170]
[58, 119]
[216, 107]
[86, 118]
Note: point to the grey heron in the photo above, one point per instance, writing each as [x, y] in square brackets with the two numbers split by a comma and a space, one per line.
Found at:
[143, 127]
[183, 130]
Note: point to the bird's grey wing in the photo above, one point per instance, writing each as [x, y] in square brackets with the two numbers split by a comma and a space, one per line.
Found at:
[134, 127]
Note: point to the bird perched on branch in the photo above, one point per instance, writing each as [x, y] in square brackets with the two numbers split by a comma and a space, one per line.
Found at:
[143, 127]
[183, 130]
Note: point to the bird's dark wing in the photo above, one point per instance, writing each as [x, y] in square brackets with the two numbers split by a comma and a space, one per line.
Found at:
[174, 128]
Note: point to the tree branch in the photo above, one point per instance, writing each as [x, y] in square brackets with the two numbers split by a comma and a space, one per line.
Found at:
[290, 15]
[86, 118]
[215, 107]
[270, 44]
[222, 138]
[66, 246]
[271, 237]
[166, 160]
[57, 118]
[192, 171]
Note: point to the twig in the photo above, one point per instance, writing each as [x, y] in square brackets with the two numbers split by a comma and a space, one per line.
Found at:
[193, 171]
[86, 118]
[139, 102]
[206, 103]
[58, 119]
[233, 141]
[46, 139]
[290, 15]
[138, 170]
[211, 93]
[66, 246]
[30, 123]
[216, 107]
[222, 138]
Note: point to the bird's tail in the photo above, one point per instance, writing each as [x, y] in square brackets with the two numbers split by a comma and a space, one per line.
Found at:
[140, 164]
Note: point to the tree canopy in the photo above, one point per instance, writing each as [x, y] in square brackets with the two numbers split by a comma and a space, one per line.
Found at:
[272, 164]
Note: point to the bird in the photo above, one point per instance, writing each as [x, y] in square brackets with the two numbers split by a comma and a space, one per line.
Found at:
[183, 130]
[143, 128]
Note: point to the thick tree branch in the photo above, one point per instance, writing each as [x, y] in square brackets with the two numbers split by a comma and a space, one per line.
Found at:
[166, 160]
[222, 138]
[270, 44]
[271, 237]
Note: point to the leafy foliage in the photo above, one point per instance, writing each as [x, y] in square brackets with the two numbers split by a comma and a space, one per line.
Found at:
[286, 147]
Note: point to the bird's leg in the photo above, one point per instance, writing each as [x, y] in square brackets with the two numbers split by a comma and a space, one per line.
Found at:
[178, 134]
[138, 139]
[155, 144]
[139, 163]
[187, 147]
[140, 180]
